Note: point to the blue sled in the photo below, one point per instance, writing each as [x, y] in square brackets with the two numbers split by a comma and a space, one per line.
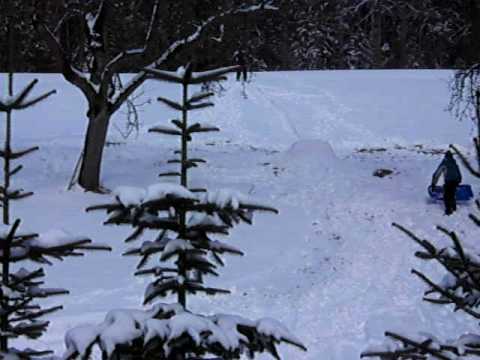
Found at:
[464, 193]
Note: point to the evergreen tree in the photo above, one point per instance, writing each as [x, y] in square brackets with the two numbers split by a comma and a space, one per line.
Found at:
[460, 287]
[186, 221]
[20, 289]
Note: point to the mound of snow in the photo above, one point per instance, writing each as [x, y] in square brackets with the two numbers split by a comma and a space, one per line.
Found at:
[55, 238]
[311, 155]
[322, 150]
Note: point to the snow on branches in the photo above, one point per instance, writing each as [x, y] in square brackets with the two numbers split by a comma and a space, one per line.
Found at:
[21, 101]
[20, 290]
[159, 208]
[459, 287]
[166, 330]
[186, 222]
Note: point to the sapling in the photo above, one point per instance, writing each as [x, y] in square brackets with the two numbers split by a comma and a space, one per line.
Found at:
[185, 222]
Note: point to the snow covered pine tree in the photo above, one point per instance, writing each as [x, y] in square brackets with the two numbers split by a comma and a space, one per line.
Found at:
[19, 314]
[185, 220]
[460, 287]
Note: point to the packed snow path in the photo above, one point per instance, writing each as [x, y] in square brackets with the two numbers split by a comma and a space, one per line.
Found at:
[329, 266]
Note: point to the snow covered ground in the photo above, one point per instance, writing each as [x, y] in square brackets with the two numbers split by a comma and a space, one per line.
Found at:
[329, 266]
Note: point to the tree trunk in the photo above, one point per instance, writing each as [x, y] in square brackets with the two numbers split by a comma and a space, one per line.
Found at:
[89, 177]
[376, 36]
[477, 114]
[402, 35]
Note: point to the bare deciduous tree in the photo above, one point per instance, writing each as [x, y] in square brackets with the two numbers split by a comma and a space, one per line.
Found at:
[465, 103]
[97, 82]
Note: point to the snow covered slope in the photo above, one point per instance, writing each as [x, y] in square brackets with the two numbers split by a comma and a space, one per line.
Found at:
[329, 266]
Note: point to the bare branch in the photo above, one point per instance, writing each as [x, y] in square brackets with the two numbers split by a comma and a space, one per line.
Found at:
[70, 74]
[177, 45]
[465, 161]
[114, 65]
[459, 302]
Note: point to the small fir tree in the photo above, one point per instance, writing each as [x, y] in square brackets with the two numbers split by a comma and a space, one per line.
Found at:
[7, 106]
[460, 287]
[186, 221]
[20, 289]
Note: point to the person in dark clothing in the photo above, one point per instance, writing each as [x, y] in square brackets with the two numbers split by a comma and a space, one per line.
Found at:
[240, 59]
[452, 177]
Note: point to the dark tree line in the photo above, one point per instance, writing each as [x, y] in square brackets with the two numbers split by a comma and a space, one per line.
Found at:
[302, 34]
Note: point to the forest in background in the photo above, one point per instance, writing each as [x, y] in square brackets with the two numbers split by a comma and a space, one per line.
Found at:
[299, 35]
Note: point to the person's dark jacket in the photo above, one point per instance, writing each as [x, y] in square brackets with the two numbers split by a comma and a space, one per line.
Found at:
[449, 168]
[239, 58]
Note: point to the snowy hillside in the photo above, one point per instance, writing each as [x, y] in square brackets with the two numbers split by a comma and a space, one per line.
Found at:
[329, 266]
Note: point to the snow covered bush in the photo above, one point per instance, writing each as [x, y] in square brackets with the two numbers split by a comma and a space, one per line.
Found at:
[20, 289]
[186, 222]
[460, 287]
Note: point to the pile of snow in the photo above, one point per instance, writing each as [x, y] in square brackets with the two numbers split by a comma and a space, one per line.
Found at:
[312, 149]
[229, 198]
[55, 238]
[129, 195]
[310, 156]
[133, 196]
